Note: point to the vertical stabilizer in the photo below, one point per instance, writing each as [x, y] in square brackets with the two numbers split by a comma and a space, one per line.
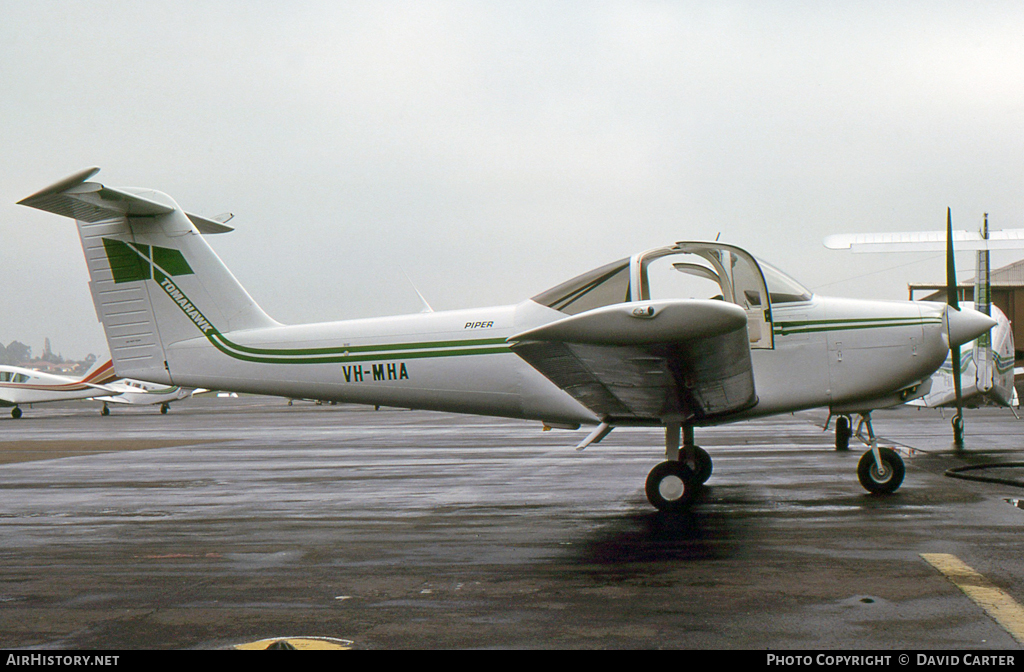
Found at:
[154, 279]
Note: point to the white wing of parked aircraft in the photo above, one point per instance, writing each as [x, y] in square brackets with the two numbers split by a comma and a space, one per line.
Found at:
[686, 335]
[983, 371]
[20, 386]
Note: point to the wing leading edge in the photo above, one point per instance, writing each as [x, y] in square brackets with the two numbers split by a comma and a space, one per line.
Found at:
[648, 362]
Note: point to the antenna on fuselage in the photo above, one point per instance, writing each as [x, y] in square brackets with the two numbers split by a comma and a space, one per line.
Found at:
[426, 306]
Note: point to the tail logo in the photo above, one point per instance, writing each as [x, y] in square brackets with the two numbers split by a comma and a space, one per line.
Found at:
[130, 262]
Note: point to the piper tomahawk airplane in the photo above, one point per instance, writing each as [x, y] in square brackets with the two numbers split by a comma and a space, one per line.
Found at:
[20, 386]
[692, 334]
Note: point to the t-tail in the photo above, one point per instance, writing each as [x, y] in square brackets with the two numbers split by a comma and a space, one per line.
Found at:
[154, 280]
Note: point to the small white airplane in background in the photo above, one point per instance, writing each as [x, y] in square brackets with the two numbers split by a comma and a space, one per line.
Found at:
[691, 334]
[20, 386]
[141, 393]
[982, 372]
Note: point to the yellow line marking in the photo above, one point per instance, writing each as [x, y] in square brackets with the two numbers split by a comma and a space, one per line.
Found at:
[996, 603]
[299, 643]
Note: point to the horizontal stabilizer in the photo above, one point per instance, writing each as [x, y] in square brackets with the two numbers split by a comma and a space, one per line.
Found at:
[208, 226]
[92, 202]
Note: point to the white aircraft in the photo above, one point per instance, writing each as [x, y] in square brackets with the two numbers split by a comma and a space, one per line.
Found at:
[141, 393]
[20, 386]
[692, 334]
[983, 371]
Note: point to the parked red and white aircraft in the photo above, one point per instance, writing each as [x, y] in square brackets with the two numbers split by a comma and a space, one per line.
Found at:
[20, 386]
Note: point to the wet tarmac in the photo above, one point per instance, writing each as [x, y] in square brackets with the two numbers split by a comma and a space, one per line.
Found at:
[229, 521]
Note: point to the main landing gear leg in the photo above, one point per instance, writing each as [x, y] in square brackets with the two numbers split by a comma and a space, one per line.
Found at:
[880, 470]
[672, 485]
[958, 429]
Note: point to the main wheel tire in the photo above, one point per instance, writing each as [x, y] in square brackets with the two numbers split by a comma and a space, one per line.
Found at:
[104, 411]
[843, 433]
[164, 408]
[15, 412]
[671, 486]
[886, 480]
[703, 465]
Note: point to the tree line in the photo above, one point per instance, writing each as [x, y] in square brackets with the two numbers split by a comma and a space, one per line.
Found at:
[17, 353]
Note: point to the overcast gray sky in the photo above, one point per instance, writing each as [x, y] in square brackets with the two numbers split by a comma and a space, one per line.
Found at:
[489, 150]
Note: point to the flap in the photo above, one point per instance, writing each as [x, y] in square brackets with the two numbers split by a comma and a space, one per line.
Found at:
[648, 362]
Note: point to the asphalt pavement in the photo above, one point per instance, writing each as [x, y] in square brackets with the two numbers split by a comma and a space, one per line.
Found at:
[233, 521]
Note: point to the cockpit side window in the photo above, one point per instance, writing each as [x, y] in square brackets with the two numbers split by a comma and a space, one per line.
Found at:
[602, 286]
[781, 287]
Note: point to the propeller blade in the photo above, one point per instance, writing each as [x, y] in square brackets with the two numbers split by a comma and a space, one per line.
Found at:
[953, 300]
[952, 297]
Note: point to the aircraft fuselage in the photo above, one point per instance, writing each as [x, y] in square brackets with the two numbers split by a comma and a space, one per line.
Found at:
[845, 353]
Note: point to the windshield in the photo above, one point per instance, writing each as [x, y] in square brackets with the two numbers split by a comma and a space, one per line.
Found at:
[602, 286]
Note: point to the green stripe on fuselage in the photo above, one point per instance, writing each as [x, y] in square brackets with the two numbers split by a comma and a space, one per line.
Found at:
[331, 355]
[815, 326]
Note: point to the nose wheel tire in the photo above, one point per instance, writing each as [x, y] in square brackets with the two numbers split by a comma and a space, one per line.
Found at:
[881, 481]
[671, 486]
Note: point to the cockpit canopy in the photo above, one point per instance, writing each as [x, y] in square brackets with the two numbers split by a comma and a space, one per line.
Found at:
[686, 270]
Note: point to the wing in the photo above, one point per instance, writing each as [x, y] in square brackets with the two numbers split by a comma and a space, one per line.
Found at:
[925, 241]
[648, 362]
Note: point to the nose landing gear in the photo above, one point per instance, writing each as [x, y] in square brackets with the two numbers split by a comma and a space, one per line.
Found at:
[880, 470]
